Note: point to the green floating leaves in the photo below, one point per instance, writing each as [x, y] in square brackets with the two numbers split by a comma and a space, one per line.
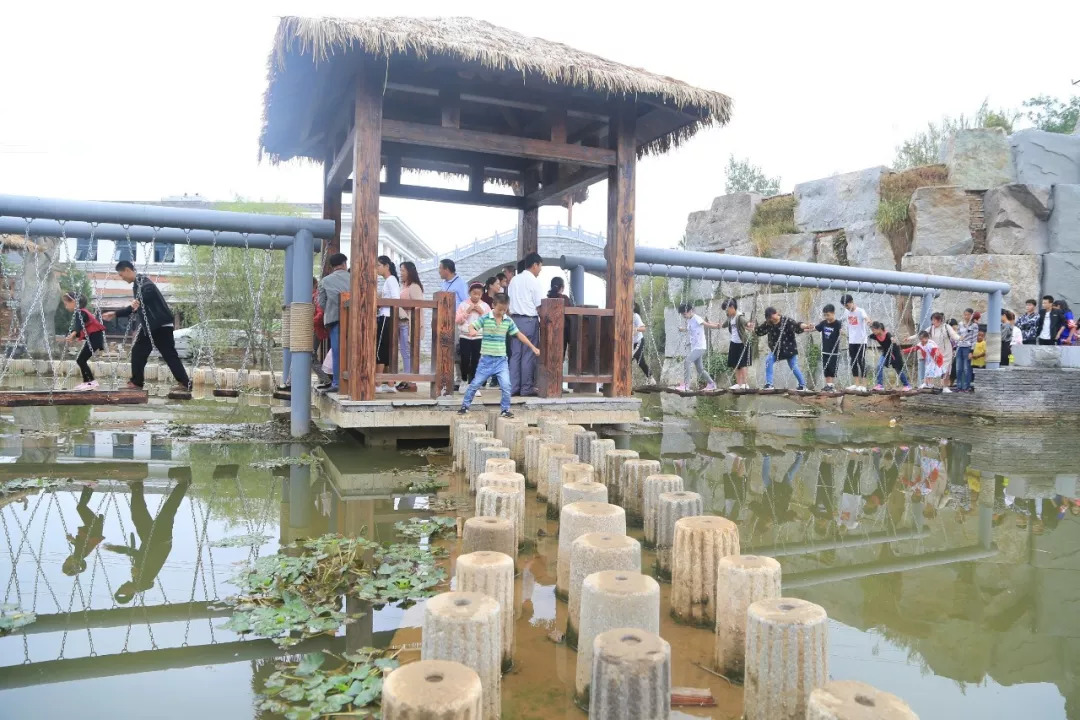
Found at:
[251, 540]
[403, 574]
[423, 487]
[451, 503]
[304, 459]
[12, 617]
[309, 690]
[19, 484]
[425, 527]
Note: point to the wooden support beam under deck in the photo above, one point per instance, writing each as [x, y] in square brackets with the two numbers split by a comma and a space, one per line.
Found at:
[331, 211]
[342, 163]
[552, 194]
[620, 248]
[456, 139]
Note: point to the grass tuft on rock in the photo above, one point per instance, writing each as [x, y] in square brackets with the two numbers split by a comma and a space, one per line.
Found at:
[896, 191]
[773, 217]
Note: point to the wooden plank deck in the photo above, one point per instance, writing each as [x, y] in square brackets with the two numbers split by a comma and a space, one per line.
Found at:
[29, 398]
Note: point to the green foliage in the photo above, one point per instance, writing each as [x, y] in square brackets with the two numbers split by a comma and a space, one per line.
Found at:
[896, 191]
[924, 148]
[72, 279]
[423, 487]
[1053, 115]
[744, 176]
[892, 215]
[425, 527]
[451, 503]
[308, 690]
[403, 574]
[12, 617]
[716, 365]
[20, 484]
[813, 358]
[252, 540]
[286, 622]
[772, 217]
[273, 463]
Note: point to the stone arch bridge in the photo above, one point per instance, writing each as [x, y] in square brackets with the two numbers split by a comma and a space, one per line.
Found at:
[486, 257]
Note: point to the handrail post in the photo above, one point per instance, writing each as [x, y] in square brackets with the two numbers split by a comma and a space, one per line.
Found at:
[993, 331]
[303, 260]
[549, 377]
[442, 344]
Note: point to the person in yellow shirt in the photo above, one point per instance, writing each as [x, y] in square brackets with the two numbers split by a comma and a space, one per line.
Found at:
[978, 355]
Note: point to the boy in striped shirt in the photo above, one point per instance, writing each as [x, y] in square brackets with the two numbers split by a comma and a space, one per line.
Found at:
[494, 328]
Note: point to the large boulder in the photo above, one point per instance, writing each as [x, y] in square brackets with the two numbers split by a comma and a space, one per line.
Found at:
[839, 201]
[725, 224]
[796, 246]
[1022, 272]
[1064, 224]
[1016, 219]
[1046, 158]
[941, 217]
[688, 290]
[868, 247]
[979, 158]
[1061, 276]
[676, 338]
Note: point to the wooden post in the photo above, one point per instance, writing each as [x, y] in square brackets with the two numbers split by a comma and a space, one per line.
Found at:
[620, 248]
[416, 322]
[367, 165]
[331, 210]
[442, 343]
[343, 344]
[549, 371]
[529, 218]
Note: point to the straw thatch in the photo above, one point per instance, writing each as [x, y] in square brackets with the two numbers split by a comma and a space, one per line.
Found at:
[467, 42]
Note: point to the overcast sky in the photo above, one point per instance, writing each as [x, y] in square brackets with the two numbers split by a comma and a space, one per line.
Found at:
[122, 103]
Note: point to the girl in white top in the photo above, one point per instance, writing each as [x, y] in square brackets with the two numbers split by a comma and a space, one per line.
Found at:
[390, 290]
[639, 345]
[858, 331]
[695, 325]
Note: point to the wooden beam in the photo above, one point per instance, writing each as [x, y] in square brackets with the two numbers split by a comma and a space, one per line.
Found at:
[331, 211]
[553, 193]
[451, 108]
[476, 180]
[620, 249]
[529, 217]
[442, 343]
[549, 377]
[33, 398]
[367, 165]
[556, 127]
[456, 139]
[342, 164]
[520, 99]
[393, 173]
[461, 197]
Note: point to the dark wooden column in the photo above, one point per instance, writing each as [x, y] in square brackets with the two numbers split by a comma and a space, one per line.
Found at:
[620, 247]
[367, 166]
[331, 210]
[549, 375]
[529, 218]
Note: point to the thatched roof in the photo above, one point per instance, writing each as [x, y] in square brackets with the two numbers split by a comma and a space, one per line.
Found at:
[313, 60]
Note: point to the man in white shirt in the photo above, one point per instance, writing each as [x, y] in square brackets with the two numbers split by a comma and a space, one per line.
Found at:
[858, 324]
[526, 294]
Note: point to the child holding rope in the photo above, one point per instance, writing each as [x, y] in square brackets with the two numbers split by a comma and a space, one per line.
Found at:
[696, 325]
[88, 329]
[932, 360]
[890, 356]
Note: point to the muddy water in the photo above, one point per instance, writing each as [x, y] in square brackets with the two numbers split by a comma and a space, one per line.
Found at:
[944, 554]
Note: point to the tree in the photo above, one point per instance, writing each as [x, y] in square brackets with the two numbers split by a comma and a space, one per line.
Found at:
[924, 148]
[743, 176]
[1053, 115]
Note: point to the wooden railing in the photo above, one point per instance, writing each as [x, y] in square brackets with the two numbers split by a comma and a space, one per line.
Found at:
[589, 333]
[442, 309]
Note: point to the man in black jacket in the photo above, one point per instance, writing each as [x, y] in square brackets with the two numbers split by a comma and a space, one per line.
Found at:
[1050, 321]
[155, 327]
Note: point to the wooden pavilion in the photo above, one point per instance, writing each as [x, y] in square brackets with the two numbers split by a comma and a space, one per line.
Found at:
[373, 96]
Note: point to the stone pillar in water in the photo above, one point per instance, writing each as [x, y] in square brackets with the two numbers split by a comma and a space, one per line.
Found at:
[579, 491]
[475, 463]
[543, 463]
[851, 700]
[492, 574]
[700, 542]
[631, 676]
[432, 690]
[552, 426]
[461, 449]
[583, 444]
[503, 427]
[632, 488]
[577, 519]
[613, 464]
[654, 486]
[598, 450]
[612, 599]
[595, 552]
[486, 455]
[532, 455]
[566, 436]
[671, 508]
[511, 480]
[571, 472]
[553, 479]
[506, 503]
[500, 465]
[465, 627]
[518, 433]
[496, 534]
[741, 580]
[787, 656]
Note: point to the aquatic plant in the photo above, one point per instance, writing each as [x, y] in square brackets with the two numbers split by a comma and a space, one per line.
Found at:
[250, 540]
[15, 485]
[451, 503]
[423, 487]
[425, 527]
[403, 574]
[302, 460]
[308, 690]
[12, 617]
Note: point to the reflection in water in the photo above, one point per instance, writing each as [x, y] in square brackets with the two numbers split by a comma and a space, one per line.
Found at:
[945, 556]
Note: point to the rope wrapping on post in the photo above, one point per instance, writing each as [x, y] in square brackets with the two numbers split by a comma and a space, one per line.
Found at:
[286, 327]
[302, 327]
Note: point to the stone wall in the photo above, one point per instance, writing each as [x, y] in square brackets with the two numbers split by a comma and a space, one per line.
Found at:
[1031, 394]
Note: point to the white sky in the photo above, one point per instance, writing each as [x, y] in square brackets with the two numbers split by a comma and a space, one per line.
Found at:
[124, 102]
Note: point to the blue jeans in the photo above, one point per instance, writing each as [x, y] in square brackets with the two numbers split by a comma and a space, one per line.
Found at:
[490, 365]
[335, 352]
[881, 373]
[963, 368]
[792, 362]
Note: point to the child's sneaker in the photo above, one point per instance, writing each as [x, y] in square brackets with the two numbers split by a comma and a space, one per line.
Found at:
[946, 390]
[878, 388]
[801, 387]
[906, 388]
[852, 388]
[463, 411]
[85, 386]
[711, 387]
[924, 386]
[506, 414]
[736, 386]
[767, 386]
[650, 381]
[681, 388]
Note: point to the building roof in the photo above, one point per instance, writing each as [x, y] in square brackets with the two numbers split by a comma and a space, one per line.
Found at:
[314, 60]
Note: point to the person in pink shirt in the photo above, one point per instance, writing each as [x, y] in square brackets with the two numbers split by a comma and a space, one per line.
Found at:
[469, 311]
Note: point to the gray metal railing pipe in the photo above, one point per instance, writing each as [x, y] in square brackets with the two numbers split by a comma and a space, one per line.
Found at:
[142, 234]
[160, 216]
[744, 263]
[598, 265]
